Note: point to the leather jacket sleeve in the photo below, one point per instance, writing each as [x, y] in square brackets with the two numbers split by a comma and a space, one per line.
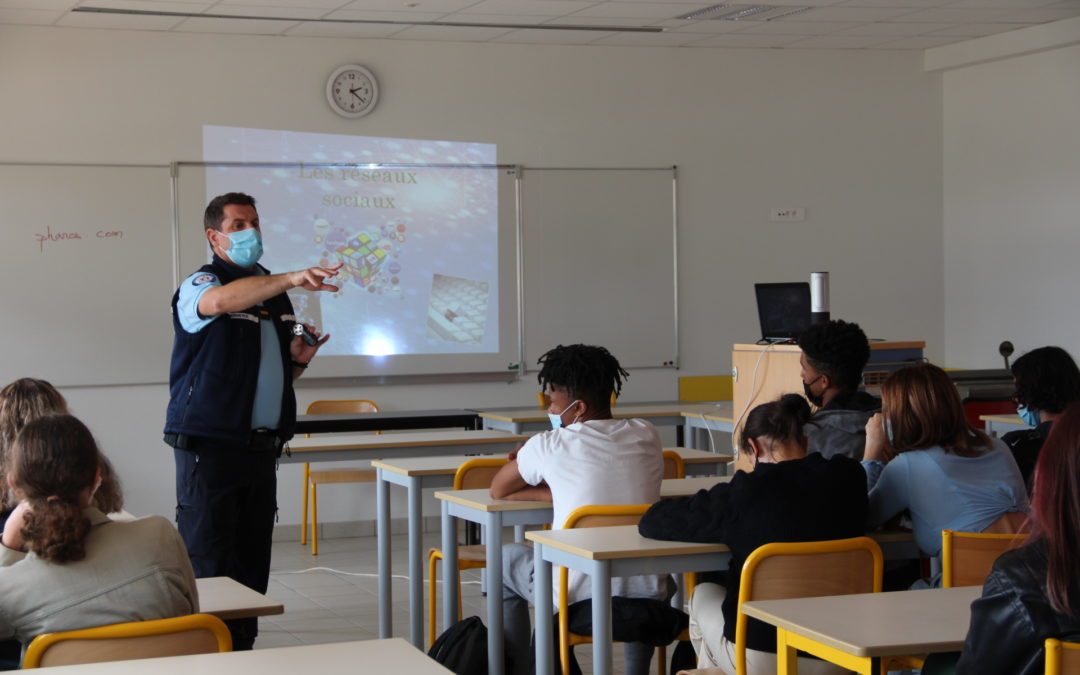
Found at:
[1002, 637]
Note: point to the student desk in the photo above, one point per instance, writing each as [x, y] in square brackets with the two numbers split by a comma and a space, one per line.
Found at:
[520, 420]
[229, 599]
[856, 631]
[374, 656]
[996, 425]
[415, 474]
[708, 418]
[404, 420]
[603, 553]
[422, 444]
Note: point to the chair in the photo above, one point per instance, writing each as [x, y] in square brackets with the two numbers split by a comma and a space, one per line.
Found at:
[595, 516]
[674, 467]
[472, 475]
[312, 479]
[806, 570]
[968, 557]
[191, 634]
[1062, 658]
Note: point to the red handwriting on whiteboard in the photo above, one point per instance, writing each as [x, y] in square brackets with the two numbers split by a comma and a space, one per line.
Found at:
[49, 235]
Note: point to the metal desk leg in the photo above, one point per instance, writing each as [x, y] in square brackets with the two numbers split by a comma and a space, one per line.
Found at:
[382, 528]
[450, 567]
[601, 616]
[542, 602]
[787, 661]
[496, 664]
[416, 565]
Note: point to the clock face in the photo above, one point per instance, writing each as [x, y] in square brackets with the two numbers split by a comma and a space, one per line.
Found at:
[352, 91]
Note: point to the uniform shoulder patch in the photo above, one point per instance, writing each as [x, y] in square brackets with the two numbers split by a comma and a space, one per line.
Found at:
[203, 279]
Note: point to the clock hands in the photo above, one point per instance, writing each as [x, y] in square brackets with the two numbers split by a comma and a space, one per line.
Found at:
[353, 92]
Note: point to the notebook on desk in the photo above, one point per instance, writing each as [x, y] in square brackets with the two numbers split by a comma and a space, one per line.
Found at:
[783, 310]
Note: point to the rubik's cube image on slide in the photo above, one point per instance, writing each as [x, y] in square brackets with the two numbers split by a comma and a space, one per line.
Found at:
[370, 257]
[361, 258]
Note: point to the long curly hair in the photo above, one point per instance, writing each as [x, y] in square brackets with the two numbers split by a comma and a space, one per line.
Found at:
[53, 463]
[28, 399]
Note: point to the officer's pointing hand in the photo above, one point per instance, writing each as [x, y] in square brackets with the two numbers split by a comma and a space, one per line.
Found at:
[313, 278]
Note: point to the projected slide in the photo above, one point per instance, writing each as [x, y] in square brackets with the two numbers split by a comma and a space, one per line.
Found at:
[418, 244]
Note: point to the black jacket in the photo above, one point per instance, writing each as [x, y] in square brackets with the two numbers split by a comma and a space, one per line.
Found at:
[811, 499]
[1013, 618]
[1025, 445]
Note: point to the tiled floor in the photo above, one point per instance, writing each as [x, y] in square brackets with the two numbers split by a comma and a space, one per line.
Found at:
[333, 597]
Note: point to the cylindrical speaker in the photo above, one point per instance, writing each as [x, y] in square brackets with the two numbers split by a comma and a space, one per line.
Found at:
[819, 297]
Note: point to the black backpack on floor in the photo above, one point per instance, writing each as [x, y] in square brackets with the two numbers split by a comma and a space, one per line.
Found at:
[462, 647]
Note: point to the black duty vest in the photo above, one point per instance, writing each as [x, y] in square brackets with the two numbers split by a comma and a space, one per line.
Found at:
[213, 373]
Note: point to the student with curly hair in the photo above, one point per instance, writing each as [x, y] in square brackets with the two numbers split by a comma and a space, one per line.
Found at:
[66, 565]
[587, 458]
[25, 400]
[1047, 380]
[833, 357]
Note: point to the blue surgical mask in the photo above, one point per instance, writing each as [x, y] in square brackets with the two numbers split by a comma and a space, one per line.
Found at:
[556, 420]
[245, 247]
[1029, 415]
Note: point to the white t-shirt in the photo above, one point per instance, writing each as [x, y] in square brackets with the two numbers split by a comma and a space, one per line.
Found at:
[598, 462]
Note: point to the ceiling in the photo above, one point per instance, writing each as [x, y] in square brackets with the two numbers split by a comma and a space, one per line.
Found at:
[822, 24]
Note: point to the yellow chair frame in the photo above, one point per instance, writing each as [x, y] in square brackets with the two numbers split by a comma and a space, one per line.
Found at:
[674, 466]
[749, 583]
[469, 557]
[594, 516]
[1062, 658]
[956, 571]
[123, 635]
[312, 479]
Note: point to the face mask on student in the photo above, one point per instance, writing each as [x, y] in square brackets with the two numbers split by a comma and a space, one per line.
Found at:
[1029, 415]
[815, 399]
[556, 420]
[245, 247]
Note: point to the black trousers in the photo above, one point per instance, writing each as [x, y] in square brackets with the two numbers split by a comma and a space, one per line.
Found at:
[226, 504]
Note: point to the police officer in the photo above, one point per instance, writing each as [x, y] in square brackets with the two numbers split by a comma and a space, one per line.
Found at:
[231, 401]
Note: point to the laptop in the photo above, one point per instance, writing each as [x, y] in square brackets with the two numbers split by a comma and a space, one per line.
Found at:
[783, 309]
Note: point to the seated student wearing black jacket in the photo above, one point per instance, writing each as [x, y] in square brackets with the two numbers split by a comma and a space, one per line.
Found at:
[788, 496]
[1033, 593]
[1047, 380]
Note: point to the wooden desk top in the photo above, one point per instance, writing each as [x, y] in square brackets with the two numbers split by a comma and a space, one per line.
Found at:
[786, 347]
[481, 500]
[1003, 419]
[613, 543]
[228, 599]
[448, 465]
[450, 439]
[723, 411]
[376, 656]
[684, 487]
[877, 624]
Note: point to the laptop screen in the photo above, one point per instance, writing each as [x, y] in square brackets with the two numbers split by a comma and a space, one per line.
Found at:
[784, 309]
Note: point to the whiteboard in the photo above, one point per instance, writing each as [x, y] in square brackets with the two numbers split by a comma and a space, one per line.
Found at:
[599, 263]
[86, 266]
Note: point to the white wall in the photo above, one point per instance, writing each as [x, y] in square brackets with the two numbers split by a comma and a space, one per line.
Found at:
[854, 137]
[1012, 206]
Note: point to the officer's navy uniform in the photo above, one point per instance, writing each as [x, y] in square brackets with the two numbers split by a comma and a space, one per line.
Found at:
[231, 409]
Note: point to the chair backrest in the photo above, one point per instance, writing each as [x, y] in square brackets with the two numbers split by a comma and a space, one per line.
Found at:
[1062, 658]
[608, 515]
[191, 634]
[331, 406]
[806, 570]
[477, 473]
[968, 557]
[673, 465]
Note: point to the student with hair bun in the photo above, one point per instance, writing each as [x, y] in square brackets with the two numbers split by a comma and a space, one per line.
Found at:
[27, 399]
[787, 496]
[66, 564]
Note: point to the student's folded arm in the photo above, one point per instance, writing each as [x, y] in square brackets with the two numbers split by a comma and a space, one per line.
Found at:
[699, 517]
[531, 493]
[889, 494]
[507, 481]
